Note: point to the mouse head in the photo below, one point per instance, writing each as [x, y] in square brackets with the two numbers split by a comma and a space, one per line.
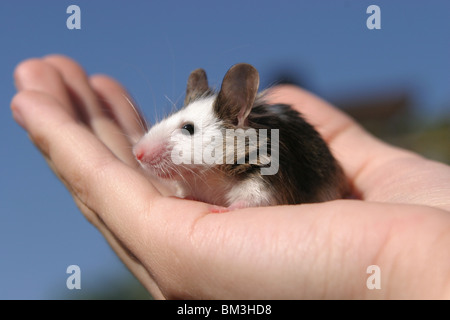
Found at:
[197, 127]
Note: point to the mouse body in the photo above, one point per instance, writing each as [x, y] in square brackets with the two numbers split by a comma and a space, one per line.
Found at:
[233, 149]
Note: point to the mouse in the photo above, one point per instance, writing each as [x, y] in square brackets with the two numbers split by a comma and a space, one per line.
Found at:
[231, 148]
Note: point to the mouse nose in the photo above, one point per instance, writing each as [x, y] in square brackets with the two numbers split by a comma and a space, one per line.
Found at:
[150, 153]
[139, 155]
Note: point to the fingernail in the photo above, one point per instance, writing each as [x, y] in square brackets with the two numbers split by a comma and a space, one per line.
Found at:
[17, 115]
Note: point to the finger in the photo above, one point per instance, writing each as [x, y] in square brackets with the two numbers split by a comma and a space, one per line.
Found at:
[116, 99]
[359, 153]
[35, 74]
[101, 121]
[79, 158]
[378, 171]
[77, 83]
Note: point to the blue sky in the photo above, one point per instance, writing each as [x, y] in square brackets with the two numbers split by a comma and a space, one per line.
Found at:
[151, 46]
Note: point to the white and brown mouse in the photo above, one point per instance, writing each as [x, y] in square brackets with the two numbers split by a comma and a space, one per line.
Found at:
[233, 149]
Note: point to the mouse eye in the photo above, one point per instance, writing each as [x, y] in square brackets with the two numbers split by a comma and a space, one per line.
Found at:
[189, 127]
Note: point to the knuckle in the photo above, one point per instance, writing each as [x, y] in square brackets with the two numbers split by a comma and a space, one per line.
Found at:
[34, 69]
[66, 65]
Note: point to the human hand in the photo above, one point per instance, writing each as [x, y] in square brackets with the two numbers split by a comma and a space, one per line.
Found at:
[177, 248]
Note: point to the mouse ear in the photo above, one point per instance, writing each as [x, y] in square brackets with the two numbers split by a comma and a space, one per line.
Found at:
[197, 86]
[237, 94]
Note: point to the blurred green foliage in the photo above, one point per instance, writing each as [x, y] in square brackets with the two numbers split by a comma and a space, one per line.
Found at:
[431, 140]
[427, 137]
[393, 116]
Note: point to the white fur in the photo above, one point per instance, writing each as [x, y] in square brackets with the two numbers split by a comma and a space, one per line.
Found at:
[250, 192]
[198, 112]
[201, 181]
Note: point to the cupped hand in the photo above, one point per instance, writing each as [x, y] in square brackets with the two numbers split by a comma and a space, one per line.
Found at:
[85, 128]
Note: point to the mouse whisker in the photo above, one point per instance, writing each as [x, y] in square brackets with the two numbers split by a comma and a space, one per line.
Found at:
[140, 119]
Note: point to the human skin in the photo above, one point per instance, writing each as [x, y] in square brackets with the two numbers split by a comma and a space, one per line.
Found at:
[399, 220]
